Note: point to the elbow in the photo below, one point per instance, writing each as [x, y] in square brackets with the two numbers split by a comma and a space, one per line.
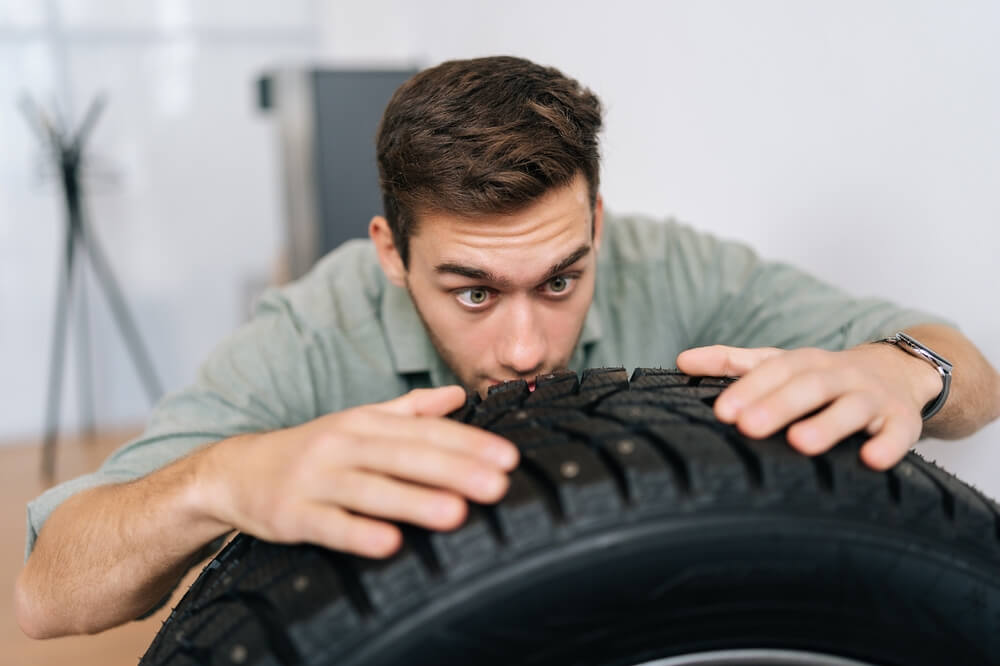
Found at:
[26, 609]
[31, 615]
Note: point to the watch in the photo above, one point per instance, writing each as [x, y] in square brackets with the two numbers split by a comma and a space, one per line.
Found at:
[940, 363]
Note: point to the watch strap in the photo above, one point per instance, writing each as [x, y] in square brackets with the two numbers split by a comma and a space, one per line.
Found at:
[940, 363]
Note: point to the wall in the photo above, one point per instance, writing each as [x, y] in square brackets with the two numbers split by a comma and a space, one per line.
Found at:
[183, 187]
[859, 140]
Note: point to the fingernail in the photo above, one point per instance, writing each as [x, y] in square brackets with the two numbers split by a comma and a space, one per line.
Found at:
[505, 455]
[728, 409]
[489, 483]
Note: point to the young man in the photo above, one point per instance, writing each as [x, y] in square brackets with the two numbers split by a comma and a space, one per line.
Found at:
[494, 261]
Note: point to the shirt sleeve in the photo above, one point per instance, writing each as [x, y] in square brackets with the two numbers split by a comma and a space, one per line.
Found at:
[259, 379]
[745, 301]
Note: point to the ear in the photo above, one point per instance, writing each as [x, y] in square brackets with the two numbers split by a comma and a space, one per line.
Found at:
[385, 249]
[598, 221]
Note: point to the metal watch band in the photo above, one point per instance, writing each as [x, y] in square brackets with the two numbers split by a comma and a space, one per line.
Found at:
[940, 363]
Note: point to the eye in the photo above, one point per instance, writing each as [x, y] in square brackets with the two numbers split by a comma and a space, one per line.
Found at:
[560, 284]
[473, 297]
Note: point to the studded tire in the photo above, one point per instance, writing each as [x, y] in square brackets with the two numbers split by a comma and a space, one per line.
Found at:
[636, 528]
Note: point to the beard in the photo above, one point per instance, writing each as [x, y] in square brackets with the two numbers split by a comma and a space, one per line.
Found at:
[471, 383]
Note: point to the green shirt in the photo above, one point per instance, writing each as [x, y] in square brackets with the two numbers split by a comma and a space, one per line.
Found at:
[344, 336]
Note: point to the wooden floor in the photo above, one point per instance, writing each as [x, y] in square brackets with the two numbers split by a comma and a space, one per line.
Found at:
[19, 482]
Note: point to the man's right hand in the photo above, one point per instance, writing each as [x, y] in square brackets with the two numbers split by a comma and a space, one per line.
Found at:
[335, 481]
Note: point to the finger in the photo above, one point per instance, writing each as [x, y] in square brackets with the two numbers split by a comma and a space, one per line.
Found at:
[846, 416]
[766, 378]
[723, 361]
[382, 497]
[334, 528]
[426, 402]
[891, 444]
[412, 460]
[798, 396]
[441, 433]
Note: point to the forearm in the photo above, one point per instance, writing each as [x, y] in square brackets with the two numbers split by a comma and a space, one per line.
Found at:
[108, 554]
[974, 399]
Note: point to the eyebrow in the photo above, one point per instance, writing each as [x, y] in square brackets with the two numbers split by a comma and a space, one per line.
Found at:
[492, 278]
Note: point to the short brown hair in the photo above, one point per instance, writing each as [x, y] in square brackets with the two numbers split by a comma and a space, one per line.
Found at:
[483, 136]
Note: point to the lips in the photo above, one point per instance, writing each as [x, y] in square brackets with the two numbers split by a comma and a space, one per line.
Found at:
[495, 382]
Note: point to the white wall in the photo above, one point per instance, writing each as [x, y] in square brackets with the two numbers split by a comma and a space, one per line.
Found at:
[858, 139]
[183, 184]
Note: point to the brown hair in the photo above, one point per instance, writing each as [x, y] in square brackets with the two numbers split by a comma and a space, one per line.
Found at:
[483, 136]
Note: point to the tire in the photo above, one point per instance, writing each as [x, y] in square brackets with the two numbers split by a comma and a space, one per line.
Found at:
[636, 528]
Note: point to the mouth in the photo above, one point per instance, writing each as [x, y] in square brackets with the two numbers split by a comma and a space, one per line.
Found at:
[494, 382]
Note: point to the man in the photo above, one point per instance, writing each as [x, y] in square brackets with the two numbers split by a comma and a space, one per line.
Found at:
[494, 261]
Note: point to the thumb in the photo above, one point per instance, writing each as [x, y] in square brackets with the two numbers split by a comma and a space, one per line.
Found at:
[426, 402]
[723, 361]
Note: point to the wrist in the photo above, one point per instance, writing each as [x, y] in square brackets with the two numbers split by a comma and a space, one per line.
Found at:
[206, 491]
[923, 382]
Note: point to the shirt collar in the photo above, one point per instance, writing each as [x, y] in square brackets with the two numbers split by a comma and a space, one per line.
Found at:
[412, 350]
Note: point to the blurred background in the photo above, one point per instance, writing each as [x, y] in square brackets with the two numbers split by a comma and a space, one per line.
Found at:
[858, 140]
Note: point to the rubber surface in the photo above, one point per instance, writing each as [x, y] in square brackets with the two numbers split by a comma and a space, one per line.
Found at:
[637, 527]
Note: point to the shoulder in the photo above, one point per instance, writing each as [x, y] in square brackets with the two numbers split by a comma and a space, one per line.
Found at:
[342, 291]
[639, 239]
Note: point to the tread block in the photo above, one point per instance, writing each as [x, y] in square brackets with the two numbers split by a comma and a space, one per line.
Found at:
[504, 395]
[396, 583]
[973, 517]
[649, 479]
[785, 472]
[853, 481]
[586, 489]
[524, 514]
[918, 496]
[552, 386]
[229, 630]
[592, 429]
[472, 546]
[638, 413]
[710, 462]
[648, 378]
[595, 379]
[530, 438]
[533, 416]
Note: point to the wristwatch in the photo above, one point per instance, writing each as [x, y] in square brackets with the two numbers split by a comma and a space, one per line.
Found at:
[940, 363]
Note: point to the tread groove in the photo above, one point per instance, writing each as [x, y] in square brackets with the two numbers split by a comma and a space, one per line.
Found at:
[419, 541]
[546, 486]
[824, 473]
[894, 489]
[353, 588]
[489, 512]
[749, 459]
[617, 472]
[674, 460]
[947, 499]
[281, 645]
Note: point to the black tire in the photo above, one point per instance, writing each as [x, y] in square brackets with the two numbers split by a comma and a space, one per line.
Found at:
[636, 528]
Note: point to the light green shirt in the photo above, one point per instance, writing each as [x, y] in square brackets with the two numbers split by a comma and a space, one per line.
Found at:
[344, 336]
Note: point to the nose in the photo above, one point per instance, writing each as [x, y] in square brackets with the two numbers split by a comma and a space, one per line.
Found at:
[523, 345]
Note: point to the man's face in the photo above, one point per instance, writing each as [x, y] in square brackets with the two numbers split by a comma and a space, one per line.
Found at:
[503, 297]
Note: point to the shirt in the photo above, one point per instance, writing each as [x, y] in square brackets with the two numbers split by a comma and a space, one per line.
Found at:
[344, 336]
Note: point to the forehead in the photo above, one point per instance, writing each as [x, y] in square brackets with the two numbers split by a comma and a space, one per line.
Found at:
[559, 220]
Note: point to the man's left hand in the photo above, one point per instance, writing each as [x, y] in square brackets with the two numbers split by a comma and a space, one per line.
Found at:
[872, 388]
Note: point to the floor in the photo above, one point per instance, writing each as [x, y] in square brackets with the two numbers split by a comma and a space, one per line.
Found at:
[19, 482]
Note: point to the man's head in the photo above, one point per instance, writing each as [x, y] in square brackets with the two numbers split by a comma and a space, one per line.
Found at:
[489, 171]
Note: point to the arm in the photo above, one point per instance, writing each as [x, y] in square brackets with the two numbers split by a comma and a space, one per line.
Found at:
[108, 554]
[870, 387]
